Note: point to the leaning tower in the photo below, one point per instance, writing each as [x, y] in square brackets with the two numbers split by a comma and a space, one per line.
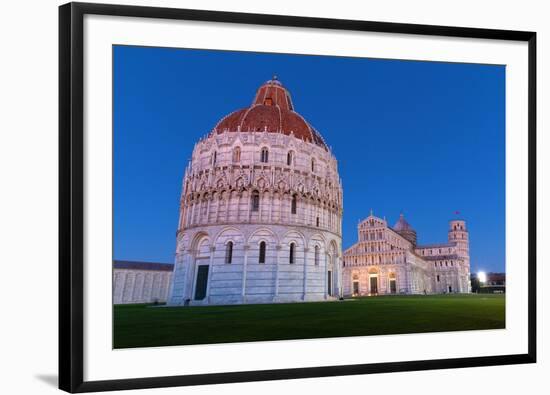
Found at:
[260, 210]
[458, 235]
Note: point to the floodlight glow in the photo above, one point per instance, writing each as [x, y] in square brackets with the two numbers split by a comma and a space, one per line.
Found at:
[482, 277]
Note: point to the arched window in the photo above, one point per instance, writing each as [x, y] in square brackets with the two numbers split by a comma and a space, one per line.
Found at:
[312, 165]
[264, 156]
[261, 258]
[214, 157]
[293, 205]
[237, 154]
[229, 252]
[289, 158]
[316, 255]
[317, 222]
[255, 203]
[292, 253]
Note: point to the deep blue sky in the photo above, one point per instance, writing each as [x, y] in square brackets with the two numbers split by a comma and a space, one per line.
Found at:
[424, 138]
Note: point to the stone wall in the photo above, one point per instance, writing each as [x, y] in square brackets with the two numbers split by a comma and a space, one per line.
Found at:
[221, 190]
[136, 285]
[247, 280]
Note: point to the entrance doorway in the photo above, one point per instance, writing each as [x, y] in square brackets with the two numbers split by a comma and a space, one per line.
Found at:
[393, 286]
[356, 288]
[450, 289]
[202, 282]
[329, 283]
[374, 285]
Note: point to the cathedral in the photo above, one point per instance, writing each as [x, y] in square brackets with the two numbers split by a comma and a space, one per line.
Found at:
[260, 210]
[388, 260]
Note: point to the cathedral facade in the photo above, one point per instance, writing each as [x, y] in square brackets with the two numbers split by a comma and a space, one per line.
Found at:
[260, 210]
[387, 260]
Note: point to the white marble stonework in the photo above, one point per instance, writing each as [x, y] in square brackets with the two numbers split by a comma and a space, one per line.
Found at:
[261, 210]
[387, 260]
[141, 282]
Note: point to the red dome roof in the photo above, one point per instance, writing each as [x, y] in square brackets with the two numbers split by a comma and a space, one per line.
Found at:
[272, 111]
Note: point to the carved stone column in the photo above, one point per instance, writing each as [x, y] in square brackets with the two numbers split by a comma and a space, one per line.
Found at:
[277, 258]
[246, 248]
[209, 199]
[239, 201]
[306, 251]
[193, 204]
[270, 195]
[262, 203]
[188, 273]
[250, 193]
[210, 270]
[327, 257]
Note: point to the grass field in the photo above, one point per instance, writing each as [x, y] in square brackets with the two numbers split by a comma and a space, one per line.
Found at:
[147, 326]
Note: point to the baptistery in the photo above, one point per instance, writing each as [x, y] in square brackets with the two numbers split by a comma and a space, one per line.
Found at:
[260, 210]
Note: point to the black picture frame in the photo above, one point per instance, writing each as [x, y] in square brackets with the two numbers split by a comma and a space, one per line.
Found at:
[71, 204]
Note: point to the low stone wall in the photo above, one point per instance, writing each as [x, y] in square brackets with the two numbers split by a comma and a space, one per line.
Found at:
[141, 282]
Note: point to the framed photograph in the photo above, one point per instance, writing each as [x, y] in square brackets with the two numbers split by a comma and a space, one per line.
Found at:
[250, 197]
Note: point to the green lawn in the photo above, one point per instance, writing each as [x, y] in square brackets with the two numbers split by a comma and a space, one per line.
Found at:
[148, 326]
